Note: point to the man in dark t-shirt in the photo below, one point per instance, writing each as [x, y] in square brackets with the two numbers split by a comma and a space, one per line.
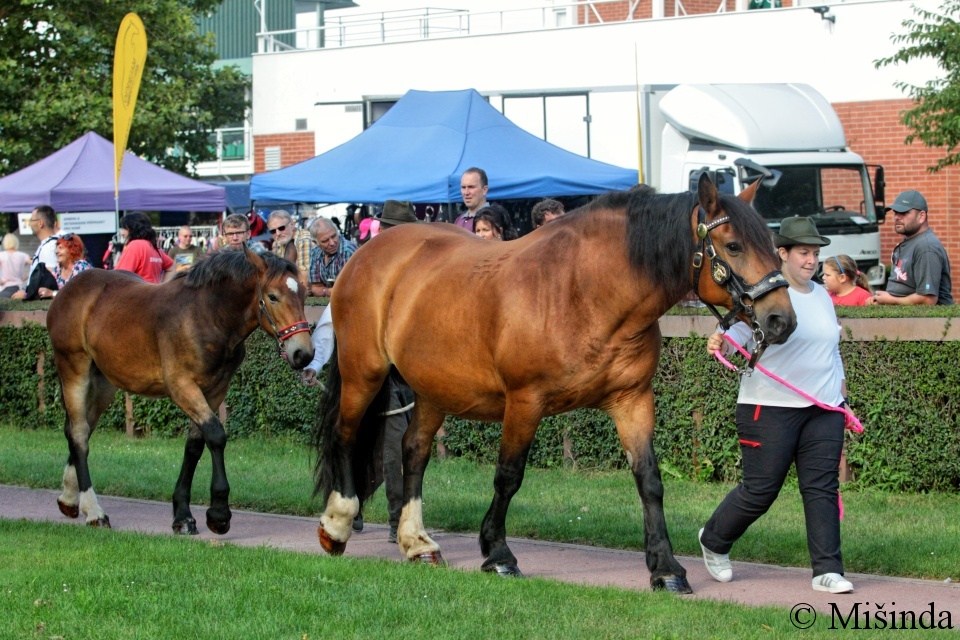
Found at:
[920, 266]
[185, 254]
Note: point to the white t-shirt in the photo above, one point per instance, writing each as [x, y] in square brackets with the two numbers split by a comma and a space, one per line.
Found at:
[45, 253]
[809, 359]
[322, 340]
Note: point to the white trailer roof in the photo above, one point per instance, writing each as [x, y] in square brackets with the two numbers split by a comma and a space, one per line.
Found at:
[755, 117]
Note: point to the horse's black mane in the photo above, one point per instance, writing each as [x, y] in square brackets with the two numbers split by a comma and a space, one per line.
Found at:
[658, 231]
[233, 266]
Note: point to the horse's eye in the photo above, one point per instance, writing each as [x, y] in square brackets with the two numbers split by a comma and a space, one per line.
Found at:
[273, 297]
[734, 247]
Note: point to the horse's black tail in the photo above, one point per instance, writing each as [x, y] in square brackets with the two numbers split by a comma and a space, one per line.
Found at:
[367, 450]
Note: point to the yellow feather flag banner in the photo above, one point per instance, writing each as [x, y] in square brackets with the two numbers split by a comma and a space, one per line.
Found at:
[129, 57]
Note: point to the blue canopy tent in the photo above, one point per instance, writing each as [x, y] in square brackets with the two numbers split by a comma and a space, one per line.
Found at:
[79, 177]
[418, 150]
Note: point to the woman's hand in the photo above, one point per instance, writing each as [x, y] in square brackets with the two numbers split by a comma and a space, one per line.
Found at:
[715, 344]
[45, 293]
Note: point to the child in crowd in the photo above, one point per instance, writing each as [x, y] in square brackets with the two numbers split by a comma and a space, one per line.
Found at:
[847, 286]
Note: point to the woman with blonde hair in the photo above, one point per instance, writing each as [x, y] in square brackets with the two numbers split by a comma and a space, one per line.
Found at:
[14, 266]
[846, 284]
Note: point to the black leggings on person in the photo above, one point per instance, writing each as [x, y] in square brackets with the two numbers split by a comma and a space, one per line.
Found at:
[771, 439]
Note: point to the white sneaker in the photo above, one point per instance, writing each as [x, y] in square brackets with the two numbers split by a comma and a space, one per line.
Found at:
[832, 583]
[718, 564]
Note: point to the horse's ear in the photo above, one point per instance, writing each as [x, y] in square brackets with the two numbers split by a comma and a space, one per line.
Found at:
[748, 194]
[707, 193]
[254, 258]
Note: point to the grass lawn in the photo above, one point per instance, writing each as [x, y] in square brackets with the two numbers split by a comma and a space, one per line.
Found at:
[890, 534]
[66, 582]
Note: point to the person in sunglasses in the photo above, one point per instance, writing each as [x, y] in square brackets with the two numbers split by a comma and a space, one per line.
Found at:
[290, 242]
[44, 225]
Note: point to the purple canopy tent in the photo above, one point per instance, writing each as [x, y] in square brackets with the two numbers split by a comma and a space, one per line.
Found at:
[79, 177]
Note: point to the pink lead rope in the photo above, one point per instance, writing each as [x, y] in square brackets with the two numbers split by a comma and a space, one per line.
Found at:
[852, 422]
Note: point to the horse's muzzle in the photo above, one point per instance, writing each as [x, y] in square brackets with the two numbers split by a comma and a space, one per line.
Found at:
[297, 358]
[777, 327]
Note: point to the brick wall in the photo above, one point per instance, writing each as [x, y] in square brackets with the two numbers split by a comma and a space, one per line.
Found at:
[294, 147]
[875, 132]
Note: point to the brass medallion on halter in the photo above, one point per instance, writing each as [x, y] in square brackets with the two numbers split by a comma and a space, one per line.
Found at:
[719, 272]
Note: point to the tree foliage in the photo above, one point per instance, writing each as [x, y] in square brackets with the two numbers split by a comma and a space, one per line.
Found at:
[56, 70]
[935, 119]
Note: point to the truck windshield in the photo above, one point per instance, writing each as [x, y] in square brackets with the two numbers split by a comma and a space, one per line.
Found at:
[835, 196]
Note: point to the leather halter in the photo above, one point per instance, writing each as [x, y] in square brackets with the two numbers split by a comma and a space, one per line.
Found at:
[280, 334]
[723, 275]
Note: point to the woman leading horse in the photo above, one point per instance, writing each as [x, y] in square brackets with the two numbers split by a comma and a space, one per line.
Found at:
[565, 317]
[183, 339]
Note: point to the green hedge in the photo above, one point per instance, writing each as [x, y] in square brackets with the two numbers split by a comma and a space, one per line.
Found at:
[906, 394]
[265, 398]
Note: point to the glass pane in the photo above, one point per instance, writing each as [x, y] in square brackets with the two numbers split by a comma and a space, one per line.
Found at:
[566, 123]
[526, 113]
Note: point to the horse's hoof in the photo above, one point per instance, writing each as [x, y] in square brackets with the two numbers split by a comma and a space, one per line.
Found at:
[219, 527]
[69, 510]
[331, 546]
[102, 522]
[509, 570]
[673, 584]
[430, 557]
[186, 527]
[218, 519]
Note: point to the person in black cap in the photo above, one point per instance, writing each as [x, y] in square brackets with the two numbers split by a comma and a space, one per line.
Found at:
[920, 266]
[778, 428]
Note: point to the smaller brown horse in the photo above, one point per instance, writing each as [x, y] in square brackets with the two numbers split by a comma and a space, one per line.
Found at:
[183, 339]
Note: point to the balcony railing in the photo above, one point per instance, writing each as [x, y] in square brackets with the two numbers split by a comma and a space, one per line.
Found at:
[352, 30]
[408, 25]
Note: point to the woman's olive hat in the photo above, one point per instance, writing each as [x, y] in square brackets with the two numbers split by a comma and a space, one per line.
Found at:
[798, 230]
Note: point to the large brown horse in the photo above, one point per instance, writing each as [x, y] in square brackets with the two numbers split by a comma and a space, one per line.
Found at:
[562, 318]
[183, 339]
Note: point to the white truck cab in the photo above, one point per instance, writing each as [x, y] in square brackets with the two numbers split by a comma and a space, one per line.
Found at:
[789, 136]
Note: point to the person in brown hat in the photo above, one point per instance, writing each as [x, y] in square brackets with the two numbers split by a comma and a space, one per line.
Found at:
[395, 212]
[777, 427]
[921, 268]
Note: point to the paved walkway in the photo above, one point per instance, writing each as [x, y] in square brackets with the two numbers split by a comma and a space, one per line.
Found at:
[754, 584]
